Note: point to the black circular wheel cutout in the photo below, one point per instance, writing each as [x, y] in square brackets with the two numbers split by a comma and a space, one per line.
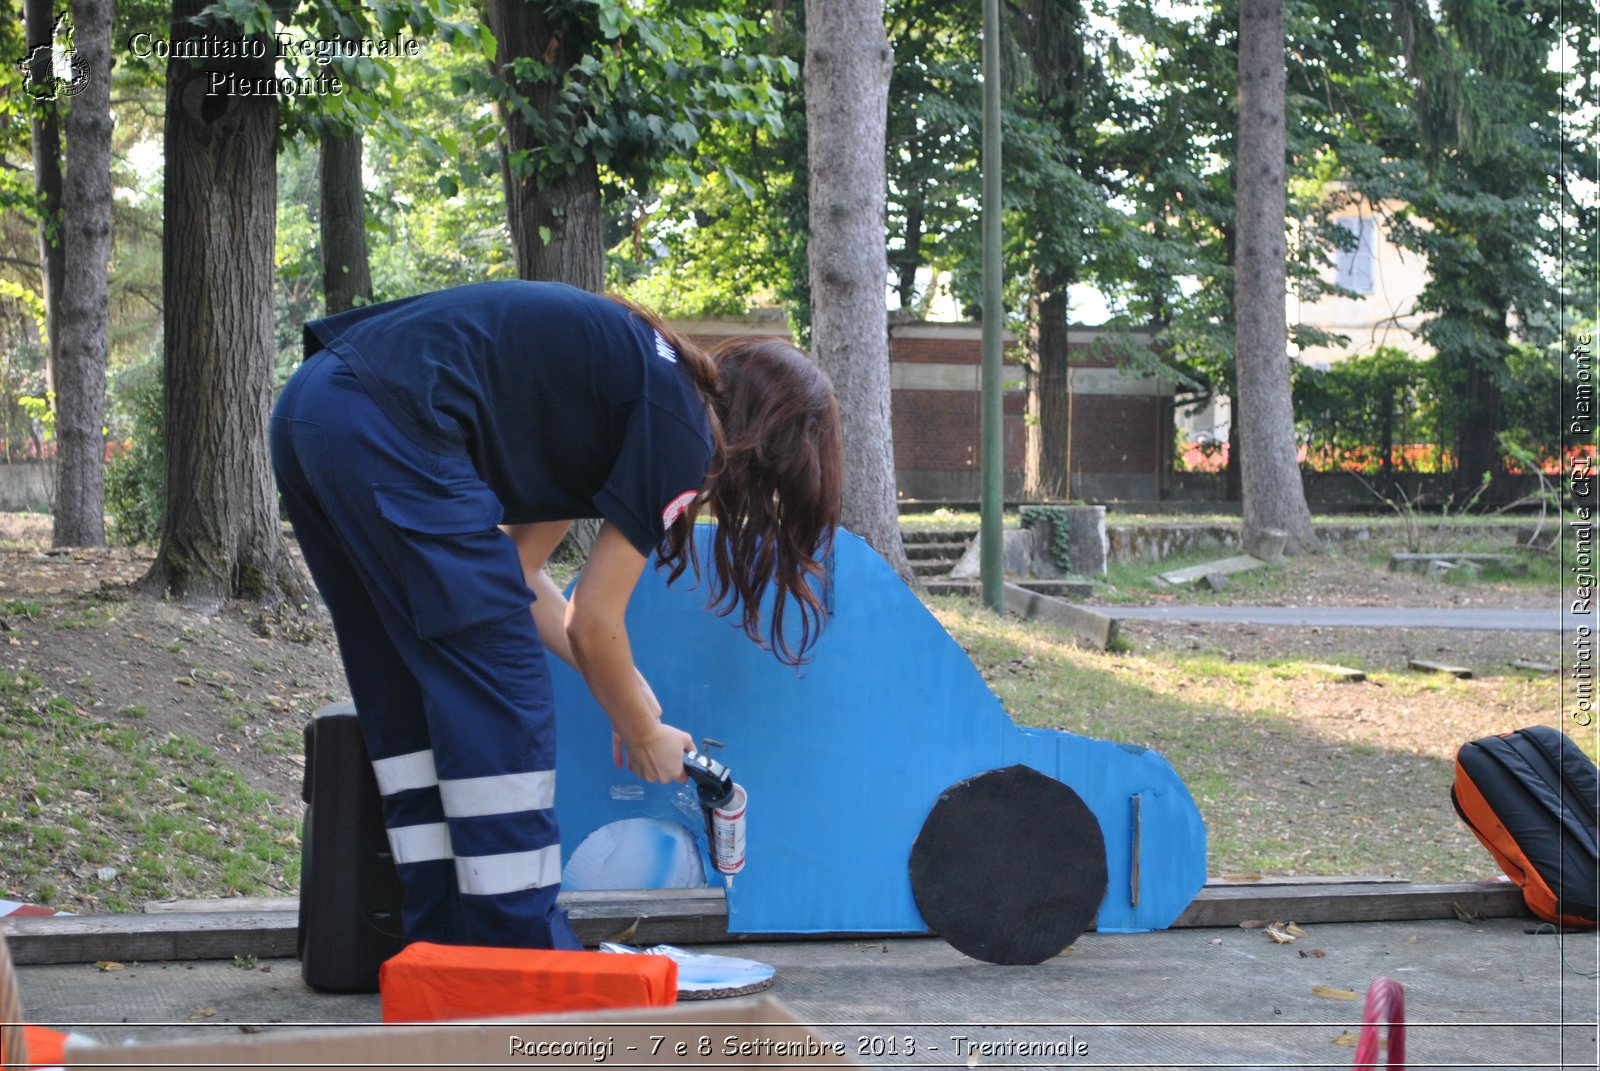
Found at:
[1009, 867]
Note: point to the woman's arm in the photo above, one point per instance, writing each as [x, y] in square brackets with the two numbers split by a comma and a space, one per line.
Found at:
[535, 543]
[599, 641]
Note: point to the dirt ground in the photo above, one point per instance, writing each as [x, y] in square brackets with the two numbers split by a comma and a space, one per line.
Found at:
[237, 678]
[71, 618]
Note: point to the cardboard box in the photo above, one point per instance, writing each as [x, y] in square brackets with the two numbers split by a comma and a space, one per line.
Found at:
[759, 1032]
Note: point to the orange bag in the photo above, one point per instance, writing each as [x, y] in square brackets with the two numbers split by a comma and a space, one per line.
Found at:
[428, 982]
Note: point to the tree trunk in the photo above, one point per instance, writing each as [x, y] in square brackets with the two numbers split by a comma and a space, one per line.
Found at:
[1045, 476]
[557, 228]
[911, 256]
[41, 23]
[346, 277]
[847, 65]
[1477, 428]
[85, 301]
[1272, 493]
[1477, 432]
[220, 534]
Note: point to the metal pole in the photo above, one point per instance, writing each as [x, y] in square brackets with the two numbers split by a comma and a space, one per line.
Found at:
[991, 538]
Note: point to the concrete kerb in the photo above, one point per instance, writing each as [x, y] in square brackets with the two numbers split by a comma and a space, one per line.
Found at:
[1093, 628]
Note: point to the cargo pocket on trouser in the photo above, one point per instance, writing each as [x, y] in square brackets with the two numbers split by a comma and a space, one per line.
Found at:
[456, 567]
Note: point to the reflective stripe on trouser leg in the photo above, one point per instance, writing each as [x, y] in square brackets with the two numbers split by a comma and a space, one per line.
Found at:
[491, 708]
[481, 688]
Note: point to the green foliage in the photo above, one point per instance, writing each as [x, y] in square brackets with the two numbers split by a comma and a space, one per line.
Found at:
[935, 113]
[1539, 377]
[1497, 151]
[638, 100]
[41, 413]
[134, 473]
[16, 184]
[22, 435]
[1361, 412]
[425, 233]
[729, 231]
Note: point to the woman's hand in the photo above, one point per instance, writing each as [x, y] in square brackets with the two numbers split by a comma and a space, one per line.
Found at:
[658, 754]
[655, 708]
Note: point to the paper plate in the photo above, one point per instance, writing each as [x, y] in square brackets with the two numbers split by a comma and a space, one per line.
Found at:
[705, 977]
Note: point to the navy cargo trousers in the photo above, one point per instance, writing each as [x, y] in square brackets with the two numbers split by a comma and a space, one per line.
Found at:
[444, 662]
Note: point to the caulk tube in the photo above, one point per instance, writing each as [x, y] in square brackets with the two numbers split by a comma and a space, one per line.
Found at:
[727, 833]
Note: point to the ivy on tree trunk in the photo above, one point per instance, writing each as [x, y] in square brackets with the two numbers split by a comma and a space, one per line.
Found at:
[557, 225]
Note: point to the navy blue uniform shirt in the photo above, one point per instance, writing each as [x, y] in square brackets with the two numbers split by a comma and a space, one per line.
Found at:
[567, 404]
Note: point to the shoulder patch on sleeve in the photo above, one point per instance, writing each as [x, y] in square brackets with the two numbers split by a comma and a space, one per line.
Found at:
[676, 507]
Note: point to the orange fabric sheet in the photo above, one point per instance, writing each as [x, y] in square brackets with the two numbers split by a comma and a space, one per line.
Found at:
[428, 982]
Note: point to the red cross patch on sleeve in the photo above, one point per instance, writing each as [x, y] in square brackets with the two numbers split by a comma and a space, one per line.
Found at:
[676, 507]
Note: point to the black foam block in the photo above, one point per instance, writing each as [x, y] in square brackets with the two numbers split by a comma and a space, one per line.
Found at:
[1009, 867]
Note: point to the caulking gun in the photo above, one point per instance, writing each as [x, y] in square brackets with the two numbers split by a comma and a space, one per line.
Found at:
[724, 805]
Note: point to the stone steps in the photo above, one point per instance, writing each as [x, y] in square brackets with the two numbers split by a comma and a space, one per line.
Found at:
[933, 552]
[920, 551]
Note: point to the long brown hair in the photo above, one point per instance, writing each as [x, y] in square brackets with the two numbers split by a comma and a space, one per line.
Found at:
[774, 484]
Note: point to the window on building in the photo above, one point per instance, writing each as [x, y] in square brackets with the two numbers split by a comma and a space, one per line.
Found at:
[1354, 267]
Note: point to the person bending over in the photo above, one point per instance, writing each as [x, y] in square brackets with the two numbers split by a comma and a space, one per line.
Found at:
[431, 453]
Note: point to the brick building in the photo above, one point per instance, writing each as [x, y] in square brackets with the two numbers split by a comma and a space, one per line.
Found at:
[1121, 441]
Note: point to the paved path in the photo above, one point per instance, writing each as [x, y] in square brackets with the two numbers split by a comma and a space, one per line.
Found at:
[1552, 620]
[1488, 996]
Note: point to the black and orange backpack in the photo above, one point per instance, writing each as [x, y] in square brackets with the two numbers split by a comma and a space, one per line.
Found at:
[1531, 798]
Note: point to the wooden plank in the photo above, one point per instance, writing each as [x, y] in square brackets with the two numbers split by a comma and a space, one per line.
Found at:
[700, 916]
[1534, 667]
[1242, 564]
[1095, 629]
[145, 938]
[584, 901]
[649, 916]
[1352, 903]
[646, 917]
[1426, 666]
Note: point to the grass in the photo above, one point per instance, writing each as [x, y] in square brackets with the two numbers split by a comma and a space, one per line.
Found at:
[94, 796]
[1290, 776]
[1134, 581]
[947, 518]
[1293, 774]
